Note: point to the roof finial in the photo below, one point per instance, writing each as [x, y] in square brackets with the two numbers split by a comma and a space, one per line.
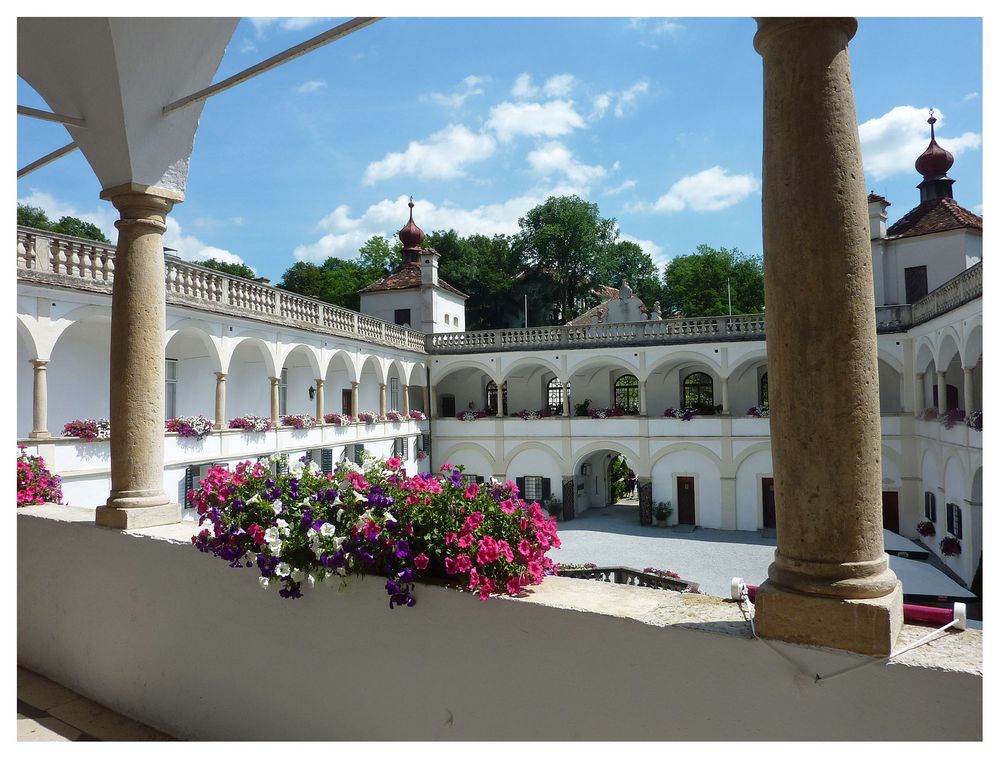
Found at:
[932, 121]
[410, 204]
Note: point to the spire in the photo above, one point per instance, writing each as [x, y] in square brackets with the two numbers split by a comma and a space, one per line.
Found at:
[933, 164]
[411, 236]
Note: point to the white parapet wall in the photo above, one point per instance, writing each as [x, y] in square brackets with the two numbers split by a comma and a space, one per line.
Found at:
[146, 625]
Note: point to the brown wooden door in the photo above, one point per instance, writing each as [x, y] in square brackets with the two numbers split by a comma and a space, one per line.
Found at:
[685, 500]
[767, 488]
[345, 402]
[890, 510]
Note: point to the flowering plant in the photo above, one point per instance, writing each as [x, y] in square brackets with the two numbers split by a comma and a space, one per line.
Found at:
[926, 528]
[543, 413]
[394, 416]
[469, 416]
[662, 510]
[684, 414]
[421, 455]
[368, 417]
[35, 483]
[586, 565]
[975, 420]
[302, 527]
[189, 426]
[928, 415]
[417, 415]
[605, 413]
[760, 412]
[251, 423]
[88, 429]
[661, 573]
[298, 421]
[340, 420]
[951, 417]
[950, 546]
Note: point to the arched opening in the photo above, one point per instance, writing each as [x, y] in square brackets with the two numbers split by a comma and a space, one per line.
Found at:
[626, 396]
[369, 390]
[698, 392]
[337, 386]
[556, 394]
[248, 383]
[494, 399]
[189, 375]
[79, 374]
[605, 480]
[25, 394]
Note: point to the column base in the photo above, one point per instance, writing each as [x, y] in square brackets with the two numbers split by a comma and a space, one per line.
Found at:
[137, 518]
[867, 626]
[40, 434]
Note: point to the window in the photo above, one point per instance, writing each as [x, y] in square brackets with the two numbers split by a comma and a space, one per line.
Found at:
[401, 447]
[491, 397]
[554, 393]
[763, 389]
[447, 319]
[699, 393]
[930, 506]
[283, 393]
[955, 520]
[627, 393]
[170, 388]
[915, 279]
[393, 394]
[359, 453]
[532, 489]
[401, 317]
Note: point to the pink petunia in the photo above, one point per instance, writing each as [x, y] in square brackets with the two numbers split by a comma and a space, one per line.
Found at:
[472, 491]
[450, 538]
[508, 506]
[524, 548]
[466, 540]
[421, 560]
[473, 578]
[449, 565]
[463, 563]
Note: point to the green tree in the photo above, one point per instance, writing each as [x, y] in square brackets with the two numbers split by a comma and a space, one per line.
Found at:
[235, 270]
[303, 278]
[31, 216]
[566, 236]
[695, 284]
[625, 261]
[377, 256]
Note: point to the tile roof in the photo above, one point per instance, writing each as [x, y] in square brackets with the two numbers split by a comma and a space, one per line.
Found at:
[405, 278]
[937, 215]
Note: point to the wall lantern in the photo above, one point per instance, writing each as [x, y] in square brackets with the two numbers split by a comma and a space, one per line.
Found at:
[312, 392]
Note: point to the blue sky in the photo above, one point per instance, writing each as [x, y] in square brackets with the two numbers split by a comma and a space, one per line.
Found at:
[658, 121]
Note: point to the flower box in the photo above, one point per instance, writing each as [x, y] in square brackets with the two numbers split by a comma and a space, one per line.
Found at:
[88, 429]
[684, 414]
[251, 423]
[394, 416]
[950, 546]
[926, 528]
[368, 417]
[417, 415]
[189, 426]
[298, 421]
[338, 420]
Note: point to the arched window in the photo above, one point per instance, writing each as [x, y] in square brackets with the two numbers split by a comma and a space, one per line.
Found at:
[763, 389]
[699, 393]
[491, 397]
[554, 395]
[627, 394]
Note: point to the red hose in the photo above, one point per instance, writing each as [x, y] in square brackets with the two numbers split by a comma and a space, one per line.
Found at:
[911, 612]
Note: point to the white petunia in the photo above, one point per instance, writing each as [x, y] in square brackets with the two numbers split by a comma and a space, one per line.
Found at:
[283, 569]
[311, 533]
[271, 535]
[340, 514]
[265, 582]
[327, 529]
[388, 515]
[255, 498]
[311, 580]
[298, 575]
[295, 469]
[275, 546]
[282, 526]
[278, 506]
[314, 467]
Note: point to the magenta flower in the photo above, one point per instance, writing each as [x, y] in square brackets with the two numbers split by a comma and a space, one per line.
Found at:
[421, 560]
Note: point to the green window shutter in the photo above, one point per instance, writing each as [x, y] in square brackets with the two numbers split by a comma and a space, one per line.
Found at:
[546, 489]
[326, 460]
[359, 450]
[519, 481]
[189, 475]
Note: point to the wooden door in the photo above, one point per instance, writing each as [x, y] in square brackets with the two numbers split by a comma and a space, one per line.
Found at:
[345, 402]
[767, 488]
[685, 500]
[890, 511]
[447, 406]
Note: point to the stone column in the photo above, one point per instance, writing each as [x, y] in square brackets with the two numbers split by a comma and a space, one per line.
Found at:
[969, 392]
[319, 400]
[406, 400]
[40, 396]
[220, 400]
[829, 584]
[725, 395]
[275, 384]
[567, 406]
[138, 319]
[942, 387]
[381, 400]
[643, 408]
[427, 400]
[918, 393]
[354, 399]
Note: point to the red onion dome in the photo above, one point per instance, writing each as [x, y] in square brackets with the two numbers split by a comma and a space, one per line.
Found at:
[935, 161]
[411, 235]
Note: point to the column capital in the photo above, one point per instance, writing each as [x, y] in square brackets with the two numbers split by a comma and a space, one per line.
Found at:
[275, 380]
[771, 28]
[319, 382]
[39, 363]
[354, 384]
[941, 373]
[968, 369]
[221, 376]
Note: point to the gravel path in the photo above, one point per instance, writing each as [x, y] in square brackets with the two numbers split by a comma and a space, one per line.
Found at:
[612, 537]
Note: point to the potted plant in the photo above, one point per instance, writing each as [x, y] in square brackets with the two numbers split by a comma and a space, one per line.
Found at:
[661, 512]
[950, 546]
[926, 528]
[554, 507]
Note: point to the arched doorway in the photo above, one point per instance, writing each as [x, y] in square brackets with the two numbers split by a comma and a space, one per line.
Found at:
[606, 480]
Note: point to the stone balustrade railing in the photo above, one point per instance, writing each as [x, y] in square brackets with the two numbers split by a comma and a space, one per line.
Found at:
[48, 257]
[958, 290]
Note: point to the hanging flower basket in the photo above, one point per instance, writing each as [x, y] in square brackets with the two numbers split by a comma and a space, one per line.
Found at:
[926, 528]
[189, 426]
[88, 429]
[928, 415]
[952, 417]
[251, 423]
[421, 455]
[950, 546]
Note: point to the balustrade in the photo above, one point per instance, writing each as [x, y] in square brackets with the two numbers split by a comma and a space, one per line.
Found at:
[953, 293]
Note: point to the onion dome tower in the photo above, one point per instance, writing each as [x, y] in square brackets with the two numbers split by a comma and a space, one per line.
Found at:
[933, 164]
[411, 236]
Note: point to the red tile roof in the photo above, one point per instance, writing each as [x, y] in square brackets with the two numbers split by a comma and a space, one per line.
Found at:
[938, 215]
[405, 278]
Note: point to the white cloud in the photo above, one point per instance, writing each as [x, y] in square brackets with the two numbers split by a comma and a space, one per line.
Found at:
[978, 209]
[651, 249]
[190, 248]
[891, 143]
[465, 89]
[657, 26]
[554, 158]
[623, 100]
[523, 87]
[247, 46]
[311, 86]
[971, 96]
[628, 184]
[552, 119]
[262, 23]
[104, 217]
[559, 86]
[346, 233]
[443, 156]
[713, 189]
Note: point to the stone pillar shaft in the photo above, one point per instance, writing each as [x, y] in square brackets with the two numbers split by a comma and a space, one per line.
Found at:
[643, 408]
[918, 393]
[138, 318]
[40, 400]
[567, 406]
[354, 399]
[432, 401]
[942, 388]
[319, 400]
[275, 384]
[220, 400]
[725, 395]
[381, 400]
[969, 391]
[406, 400]
[822, 347]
